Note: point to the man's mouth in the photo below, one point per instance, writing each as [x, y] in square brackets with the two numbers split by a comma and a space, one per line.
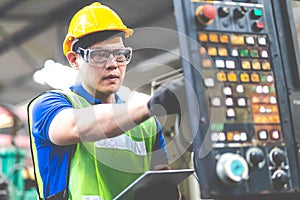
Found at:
[111, 77]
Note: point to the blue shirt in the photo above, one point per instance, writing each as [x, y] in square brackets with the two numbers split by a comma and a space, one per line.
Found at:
[53, 163]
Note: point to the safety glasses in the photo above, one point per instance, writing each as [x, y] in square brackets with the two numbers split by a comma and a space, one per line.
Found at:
[98, 57]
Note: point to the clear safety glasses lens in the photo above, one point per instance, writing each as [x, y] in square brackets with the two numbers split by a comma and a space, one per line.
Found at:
[100, 56]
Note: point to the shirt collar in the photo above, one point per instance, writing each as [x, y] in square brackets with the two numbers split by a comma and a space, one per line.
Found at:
[79, 89]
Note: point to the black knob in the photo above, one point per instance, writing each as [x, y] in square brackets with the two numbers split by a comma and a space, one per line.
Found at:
[239, 12]
[256, 158]
[224, 11]
[278, 157]
[280, 179]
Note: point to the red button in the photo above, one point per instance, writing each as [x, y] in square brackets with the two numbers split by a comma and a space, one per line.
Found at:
[209, 11]
[259, 25]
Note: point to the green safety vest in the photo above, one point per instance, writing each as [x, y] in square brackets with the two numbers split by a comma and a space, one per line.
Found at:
[101, 170]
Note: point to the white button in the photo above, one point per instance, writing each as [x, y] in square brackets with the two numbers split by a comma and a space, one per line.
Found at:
[273, 100]
[241, 102]
[209, 82]
[243, 136]
[229, 102]
[216, 101]
[259, 89]
[240, 89]
[227, 91]
[230, 64]
[236, 137]
[262, 41]
[263, 135]
[262, 109]
[230, 112]
[222, 136]
[264, 54]
[234, 53]
[265, 89]
[220, 63]
[270, 78]
[250, 40]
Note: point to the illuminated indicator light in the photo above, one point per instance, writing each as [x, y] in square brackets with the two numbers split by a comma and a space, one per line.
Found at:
[241, 102]
[275, 135]
[215, 137]
[257, 12]
[244, 53]
[256, 65]
[221, 76]
[230, 136]
[255, 78]
[206, 63]
[265, 89]
[243, 136]
[240, 89]
[273, 100]
[274, 109]
[246, 65]
[212, 51]
[265, 100]
[262, 109]
[237, 40]
[230, 112]
[216, 101]
[259, 25]
[220, 63]
[203, 37]
[270, 78]
[202, 51]
[236, 137]
[230, 64]
[223, 52]
[268, 110]
[262, 41]
[254, 53]
[255, 99]
[259, 89]
[244, 77]
[266, 66]
[263, 135]
[209, 82]
[264, 54]
[224, 39]
[250, 40]
[231, 76]
[229, 102]
[222, 136]
[272, 89]
[213, 38]
[227, 91]
[263, 78]
[234, 52]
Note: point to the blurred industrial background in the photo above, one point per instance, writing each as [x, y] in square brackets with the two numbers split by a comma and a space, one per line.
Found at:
[31, 36]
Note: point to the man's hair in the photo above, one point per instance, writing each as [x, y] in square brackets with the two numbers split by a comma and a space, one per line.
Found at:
[88, 40]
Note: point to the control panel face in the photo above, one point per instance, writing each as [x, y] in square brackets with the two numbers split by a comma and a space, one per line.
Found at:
[241, 93]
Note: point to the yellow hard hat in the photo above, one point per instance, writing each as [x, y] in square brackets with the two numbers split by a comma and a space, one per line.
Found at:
[91, 19]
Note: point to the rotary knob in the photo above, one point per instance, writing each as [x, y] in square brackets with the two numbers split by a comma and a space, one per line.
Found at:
[206, 14]
[232, 169]
[277, 156]
[255, 157]
[280, 179]
[239, 12]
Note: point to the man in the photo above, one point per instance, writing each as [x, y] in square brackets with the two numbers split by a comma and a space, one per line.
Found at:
[87, 143]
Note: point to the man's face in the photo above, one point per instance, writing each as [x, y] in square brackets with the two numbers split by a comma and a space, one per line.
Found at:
[108, 76]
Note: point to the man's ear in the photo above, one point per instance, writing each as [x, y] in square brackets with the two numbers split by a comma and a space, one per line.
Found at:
[72, 58]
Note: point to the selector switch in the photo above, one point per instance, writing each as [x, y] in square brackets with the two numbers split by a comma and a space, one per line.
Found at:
[206, 14]
[277, 156]
[255, 157]
[239, 12]
[280, 179]
[224, 11]
[232, 169]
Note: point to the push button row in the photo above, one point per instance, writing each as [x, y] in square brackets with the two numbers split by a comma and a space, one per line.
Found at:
[233, 39]
[230, 136]
[244, 77]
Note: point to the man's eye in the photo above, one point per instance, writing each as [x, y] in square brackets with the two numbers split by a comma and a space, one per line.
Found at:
[100, 55]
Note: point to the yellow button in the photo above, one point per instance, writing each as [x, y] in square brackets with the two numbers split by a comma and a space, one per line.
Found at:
[246, 64]
[213, 38]
[231, 76]
[206, 63]
[255, 78]
[237, 40]
[203, 37]
[224, 39]
[244, 77]
[256, 65]
[202, 51]
[212, 51]
[230, 136]
[266, 66]
[222, 51]
[221, 76]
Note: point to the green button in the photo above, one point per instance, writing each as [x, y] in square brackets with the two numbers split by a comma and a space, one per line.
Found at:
[257, 12]
[244, 53]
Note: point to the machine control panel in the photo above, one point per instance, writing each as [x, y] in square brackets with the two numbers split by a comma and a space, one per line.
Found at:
[237, 71]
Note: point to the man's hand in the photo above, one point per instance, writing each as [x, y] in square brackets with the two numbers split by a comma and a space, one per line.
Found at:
[168, 98]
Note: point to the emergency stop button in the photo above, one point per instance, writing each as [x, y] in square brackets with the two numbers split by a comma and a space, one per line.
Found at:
[206, 14]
